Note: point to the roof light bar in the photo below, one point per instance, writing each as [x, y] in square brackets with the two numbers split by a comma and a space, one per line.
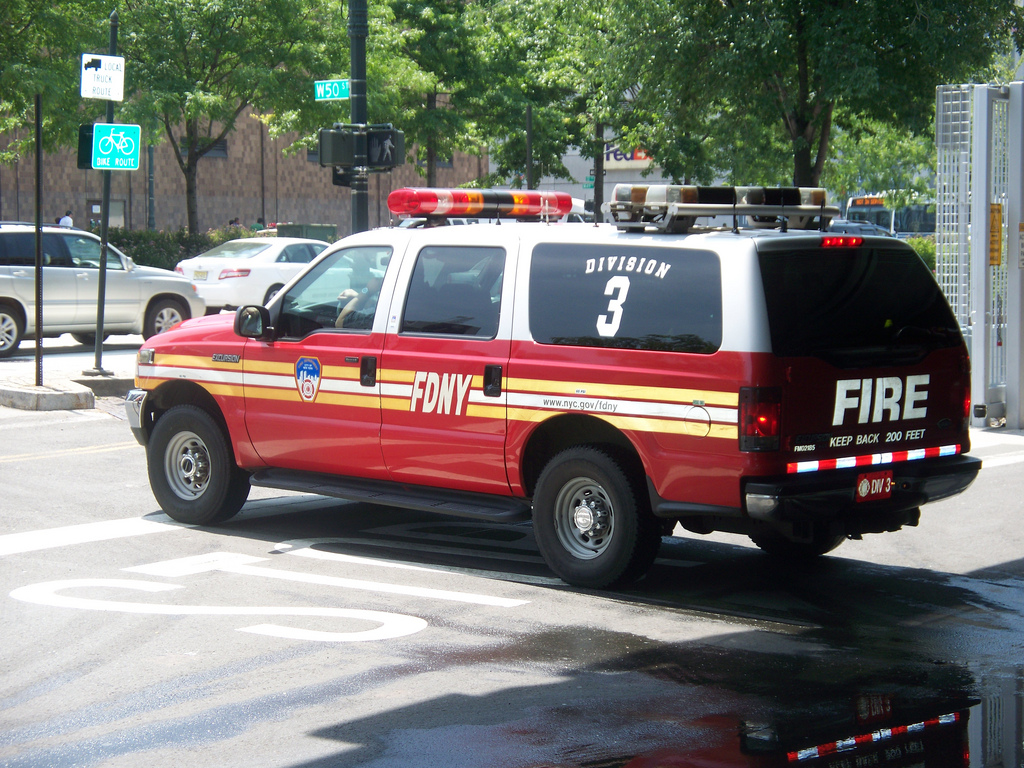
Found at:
[487, 203]
[675, 208]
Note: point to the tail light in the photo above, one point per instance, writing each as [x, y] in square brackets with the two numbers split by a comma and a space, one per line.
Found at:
[226, 273]
[760, 418]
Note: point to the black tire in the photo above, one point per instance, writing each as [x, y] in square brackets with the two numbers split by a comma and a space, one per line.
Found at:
[623, 536]
[12, 328]
[161, 315]
[272, 291]
[88, 339]
[191, 469]
[775, 544]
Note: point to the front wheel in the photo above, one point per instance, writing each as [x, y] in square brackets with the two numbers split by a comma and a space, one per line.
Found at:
[191, 469]
[589, 522]
[162, 315]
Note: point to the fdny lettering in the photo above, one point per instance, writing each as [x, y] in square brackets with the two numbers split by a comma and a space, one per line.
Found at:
[439, 393]
[872, 399]
[639, 266]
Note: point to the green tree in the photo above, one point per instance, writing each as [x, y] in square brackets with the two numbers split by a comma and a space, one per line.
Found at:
[439, 38]
[197, 66]
[869, 156]
[695, 70]
[42, 44]
[538, 53]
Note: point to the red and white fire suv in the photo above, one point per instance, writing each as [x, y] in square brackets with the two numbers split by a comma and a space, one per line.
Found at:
[766, 378]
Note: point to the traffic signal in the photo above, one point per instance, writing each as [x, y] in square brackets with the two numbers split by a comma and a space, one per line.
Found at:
[342, 177]
[385, 147]
[85, 146]
[337, 147]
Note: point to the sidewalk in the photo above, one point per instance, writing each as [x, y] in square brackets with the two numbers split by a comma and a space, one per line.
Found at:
[67, 380]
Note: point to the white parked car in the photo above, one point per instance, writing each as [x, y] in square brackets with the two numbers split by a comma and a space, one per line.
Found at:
[249, 270]
[142, 300]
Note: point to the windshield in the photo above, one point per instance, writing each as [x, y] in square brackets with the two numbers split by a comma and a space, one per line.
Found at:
[235, 249]
[853, 305]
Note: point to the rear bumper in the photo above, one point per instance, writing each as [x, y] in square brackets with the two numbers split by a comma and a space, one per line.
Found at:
[831, 494]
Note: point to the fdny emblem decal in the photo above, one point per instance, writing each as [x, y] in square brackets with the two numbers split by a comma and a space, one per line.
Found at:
[307, 377]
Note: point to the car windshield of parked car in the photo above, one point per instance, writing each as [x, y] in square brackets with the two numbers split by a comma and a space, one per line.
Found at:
[237, 250]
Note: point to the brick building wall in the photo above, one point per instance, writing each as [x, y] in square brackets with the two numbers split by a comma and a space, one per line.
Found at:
[253, 178]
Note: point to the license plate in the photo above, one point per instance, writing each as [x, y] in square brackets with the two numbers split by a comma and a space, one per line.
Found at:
[199, 274]
[872, 486]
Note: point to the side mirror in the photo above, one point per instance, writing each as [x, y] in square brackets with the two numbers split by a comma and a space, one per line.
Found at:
[129, 263]
[253, 322]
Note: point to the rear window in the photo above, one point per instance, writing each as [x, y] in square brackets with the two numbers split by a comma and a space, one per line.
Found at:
[237, 249]
[855, 306]
[625, 296]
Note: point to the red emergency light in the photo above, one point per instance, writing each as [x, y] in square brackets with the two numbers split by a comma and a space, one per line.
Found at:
[485, 203]
[842, 241]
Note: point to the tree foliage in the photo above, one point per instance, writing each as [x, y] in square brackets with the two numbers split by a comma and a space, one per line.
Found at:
[537, 53]
[195, 66]
[695, 70]
[869, 156]
[41, 46]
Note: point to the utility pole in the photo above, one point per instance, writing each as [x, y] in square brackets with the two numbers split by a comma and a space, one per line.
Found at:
[97, 369]
[358, 29]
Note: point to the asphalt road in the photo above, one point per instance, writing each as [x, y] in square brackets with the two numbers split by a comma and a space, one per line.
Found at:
[312, 632]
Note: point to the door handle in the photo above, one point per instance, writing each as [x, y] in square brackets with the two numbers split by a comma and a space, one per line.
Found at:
[492, 381]
[368, 371]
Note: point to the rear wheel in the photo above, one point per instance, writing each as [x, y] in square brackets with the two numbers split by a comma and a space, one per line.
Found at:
[89, 339]
[589, 522]
[161, 315]
[272, 291]
[11, 329]
[191, 469]
[777, 545]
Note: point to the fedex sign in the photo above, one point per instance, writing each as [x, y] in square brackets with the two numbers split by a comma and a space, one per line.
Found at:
[617, 158]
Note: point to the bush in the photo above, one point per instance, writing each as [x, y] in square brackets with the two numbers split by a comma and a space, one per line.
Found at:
[153, 248]
[925, 247]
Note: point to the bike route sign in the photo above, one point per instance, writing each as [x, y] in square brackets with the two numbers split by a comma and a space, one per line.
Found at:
[115, 146]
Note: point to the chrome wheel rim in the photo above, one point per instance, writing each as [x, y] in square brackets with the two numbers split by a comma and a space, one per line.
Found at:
[8, 331]
[584, 518]
[187, 465]
[167, 317]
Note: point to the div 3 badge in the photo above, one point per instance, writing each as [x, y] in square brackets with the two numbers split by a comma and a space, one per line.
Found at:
[307, 377]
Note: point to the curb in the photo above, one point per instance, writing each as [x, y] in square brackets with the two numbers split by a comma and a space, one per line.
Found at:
[61, 394]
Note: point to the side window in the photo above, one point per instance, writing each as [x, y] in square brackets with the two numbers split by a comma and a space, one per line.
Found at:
[627, 297]
[18, 250]
[299, 253]
[455, 291]
[340, 292]
[54, 252]
[85, 252]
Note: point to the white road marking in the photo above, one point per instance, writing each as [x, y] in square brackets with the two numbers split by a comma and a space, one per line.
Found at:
[50, 538]
[243, 564]
[304, 548]
[392, 625]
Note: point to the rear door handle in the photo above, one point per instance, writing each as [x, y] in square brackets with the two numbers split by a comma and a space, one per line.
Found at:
[492, 381]
[368, 371]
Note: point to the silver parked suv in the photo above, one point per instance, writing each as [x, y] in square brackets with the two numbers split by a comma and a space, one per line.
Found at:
[142, 300]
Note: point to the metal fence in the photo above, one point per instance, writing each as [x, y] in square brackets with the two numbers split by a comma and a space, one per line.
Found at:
[973, 146]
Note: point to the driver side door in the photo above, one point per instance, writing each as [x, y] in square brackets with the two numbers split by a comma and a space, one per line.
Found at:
[312, 395]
